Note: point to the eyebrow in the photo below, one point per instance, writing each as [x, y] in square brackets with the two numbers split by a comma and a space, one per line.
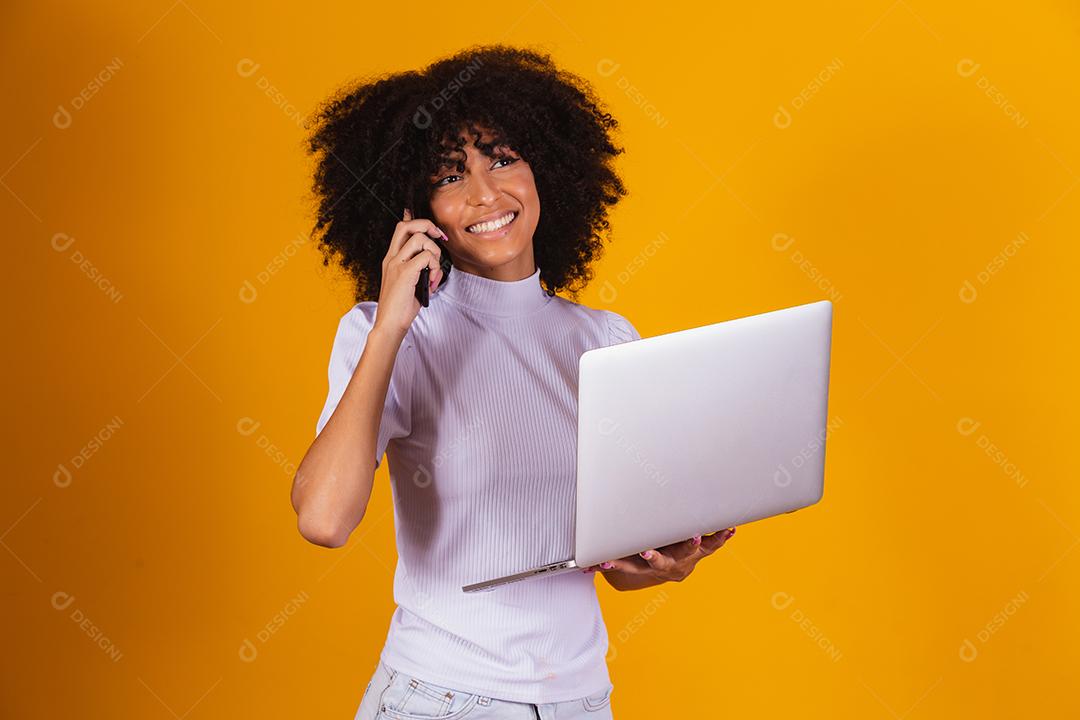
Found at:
[446, 161]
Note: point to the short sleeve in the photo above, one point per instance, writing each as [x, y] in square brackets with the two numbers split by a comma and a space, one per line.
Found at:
[619, 329]
[352, 333]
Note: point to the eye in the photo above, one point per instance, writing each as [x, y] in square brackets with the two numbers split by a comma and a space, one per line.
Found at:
[442, 182]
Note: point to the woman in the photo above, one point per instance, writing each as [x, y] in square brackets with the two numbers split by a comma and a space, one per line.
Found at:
[472, 397]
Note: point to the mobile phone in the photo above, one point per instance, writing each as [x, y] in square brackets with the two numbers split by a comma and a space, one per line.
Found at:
[422, 289]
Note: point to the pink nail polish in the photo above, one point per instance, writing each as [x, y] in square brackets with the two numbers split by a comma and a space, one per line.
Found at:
[646, 554]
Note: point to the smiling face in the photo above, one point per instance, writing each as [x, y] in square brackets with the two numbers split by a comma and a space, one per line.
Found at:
[488, 211]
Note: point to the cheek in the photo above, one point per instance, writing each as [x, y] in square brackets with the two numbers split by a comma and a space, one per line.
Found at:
[442, 211]
[526, 191]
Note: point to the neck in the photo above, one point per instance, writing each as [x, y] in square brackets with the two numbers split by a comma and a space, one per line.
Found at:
[502, 298]
[519, 268]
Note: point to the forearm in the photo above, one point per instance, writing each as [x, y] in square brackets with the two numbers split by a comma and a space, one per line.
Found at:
[624, 581]
[334, 480]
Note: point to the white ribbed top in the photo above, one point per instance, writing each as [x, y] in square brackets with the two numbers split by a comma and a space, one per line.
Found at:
[480, 428]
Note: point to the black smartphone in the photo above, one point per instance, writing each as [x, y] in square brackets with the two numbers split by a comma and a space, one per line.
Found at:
[422, 285]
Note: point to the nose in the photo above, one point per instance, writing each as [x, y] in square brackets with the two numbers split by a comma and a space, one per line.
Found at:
[482, 190]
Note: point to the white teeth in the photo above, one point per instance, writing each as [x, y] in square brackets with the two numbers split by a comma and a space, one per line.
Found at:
[492, 225]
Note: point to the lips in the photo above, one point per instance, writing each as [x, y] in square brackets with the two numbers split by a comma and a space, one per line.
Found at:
[493, 224]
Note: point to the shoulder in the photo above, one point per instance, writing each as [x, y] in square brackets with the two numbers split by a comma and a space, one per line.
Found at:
[359, 318]
[619, 328]
[607, 324]
[355, 325]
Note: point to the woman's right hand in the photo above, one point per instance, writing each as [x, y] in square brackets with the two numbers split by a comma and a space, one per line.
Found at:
[411, 249]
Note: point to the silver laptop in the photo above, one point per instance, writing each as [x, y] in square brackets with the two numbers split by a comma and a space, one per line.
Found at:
[695, 431]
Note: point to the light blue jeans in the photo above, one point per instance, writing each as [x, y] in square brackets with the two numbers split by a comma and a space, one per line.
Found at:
[393, 695]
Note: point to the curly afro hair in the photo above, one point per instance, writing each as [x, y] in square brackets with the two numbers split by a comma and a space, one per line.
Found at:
[376, 142]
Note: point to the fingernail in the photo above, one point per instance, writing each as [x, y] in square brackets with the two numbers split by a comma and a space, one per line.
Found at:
[606, 565]
[646, 554]
[696, 540]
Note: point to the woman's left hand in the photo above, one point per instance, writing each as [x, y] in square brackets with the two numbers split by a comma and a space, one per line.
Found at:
[670, 563]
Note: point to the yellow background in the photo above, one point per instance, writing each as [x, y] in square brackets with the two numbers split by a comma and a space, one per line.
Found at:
[938, 576]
